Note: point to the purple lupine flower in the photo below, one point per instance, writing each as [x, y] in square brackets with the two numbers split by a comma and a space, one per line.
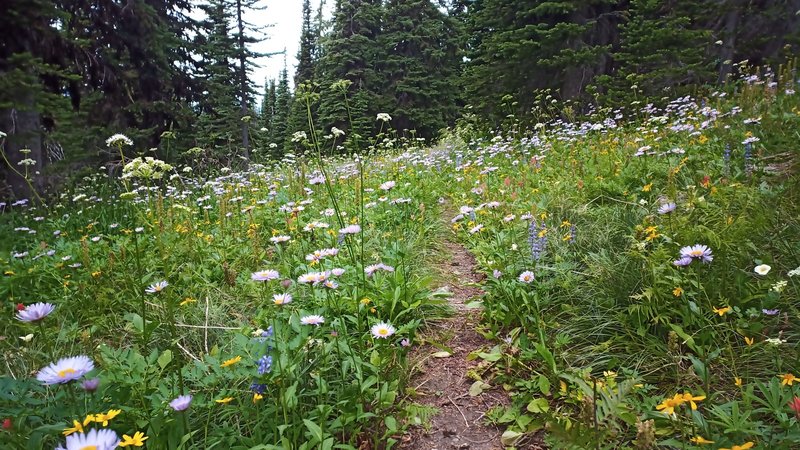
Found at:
[264, 364]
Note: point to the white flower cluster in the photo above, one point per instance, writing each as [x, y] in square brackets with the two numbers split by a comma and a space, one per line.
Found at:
[147, 168]
[118, 140]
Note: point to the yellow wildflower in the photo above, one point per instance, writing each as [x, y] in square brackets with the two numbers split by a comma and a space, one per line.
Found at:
[748, 340]
[257, 397]
[647, 187]
[103, 418]
[224, 400]
[788, 379]
[137, 440]
[700, 440]
[687, 397]
[187, 300]
[231, 361]
[678, 291]
[744, 446]
[722, 311]
[77, 427]
[737, 381]
[669, 404]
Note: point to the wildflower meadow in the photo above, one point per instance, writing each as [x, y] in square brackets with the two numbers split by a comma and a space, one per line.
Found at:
[639, 267]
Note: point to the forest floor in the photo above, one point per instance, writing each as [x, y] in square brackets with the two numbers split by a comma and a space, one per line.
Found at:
[442, 382]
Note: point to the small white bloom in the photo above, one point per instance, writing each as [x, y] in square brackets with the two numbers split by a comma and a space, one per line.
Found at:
[762, 269]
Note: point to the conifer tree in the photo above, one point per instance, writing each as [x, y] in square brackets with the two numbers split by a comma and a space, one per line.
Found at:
[283, 98]
[351, 52]
[304, 74]
[421, 66]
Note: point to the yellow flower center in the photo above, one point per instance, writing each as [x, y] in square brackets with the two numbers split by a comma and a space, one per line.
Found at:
[696, 253]
[383, 331]
[63, 373]
[89, 447]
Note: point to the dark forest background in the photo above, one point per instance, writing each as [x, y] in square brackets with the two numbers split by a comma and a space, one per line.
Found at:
[73, 72]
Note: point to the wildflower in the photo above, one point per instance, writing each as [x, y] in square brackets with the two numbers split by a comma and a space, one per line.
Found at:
[382, 330]
[35, 312]
[118, 140]
[771, 312]
[264, 364]
[775, 341]
[104, 418]
[181, 403]
[387, 185]
[282, 299]
[224, 400]
[666, 208]
[65, 370]
[476, 229]
[137, 440]
[312, 320]
[647, 187]
[722, 311]
[76, 427]
[90, 385]
[787, 379]
[384, 117]
[27, 337]
[779, 286]
[794, 272]
[737, 381]
[700, 440]
[231, 361]
[527, 277]
[350, 229]
[677, 291]
[337, 272]
[95, 440]
[697, 251]
[687, 397]
[405, 342]
[669, 404]
[7, 424]
[744, 446]
[265, 275]
[155, 288]
[794, 404]
[337, 132]
[762, 269]
[497, 274]
[257, 397]
[748, 340]
[279, 239]
[187, 300]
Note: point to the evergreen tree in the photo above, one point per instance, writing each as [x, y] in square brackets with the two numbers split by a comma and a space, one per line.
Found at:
[304, 74]
[351, 52]
[283, 98]
[421, 66]
[243, 36]
[660, 48]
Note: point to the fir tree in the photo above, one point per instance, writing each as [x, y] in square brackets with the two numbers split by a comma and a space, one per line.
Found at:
[283, 98]
[421, 66]
[304, 74]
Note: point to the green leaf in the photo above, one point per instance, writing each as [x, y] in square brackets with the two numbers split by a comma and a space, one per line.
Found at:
[316, 431]
[165, 359]
[391, 423]
[510, 437]
[538, 405]
[478, 387]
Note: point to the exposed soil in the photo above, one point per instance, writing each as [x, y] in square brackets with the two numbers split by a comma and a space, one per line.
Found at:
[443, 382]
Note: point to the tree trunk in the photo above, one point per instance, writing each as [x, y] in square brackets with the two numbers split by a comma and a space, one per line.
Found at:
[729, 41]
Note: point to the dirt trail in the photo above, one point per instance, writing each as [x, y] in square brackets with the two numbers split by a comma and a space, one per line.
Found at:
[443, 382]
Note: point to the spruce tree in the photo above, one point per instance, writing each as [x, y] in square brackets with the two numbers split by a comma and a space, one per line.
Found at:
[351, 52]
[304, 74]
[421, 66]
[283, 98]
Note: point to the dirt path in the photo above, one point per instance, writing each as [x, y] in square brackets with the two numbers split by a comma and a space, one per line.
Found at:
[443, 382]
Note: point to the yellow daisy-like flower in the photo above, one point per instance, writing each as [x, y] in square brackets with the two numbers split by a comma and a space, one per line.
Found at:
[678, 291]
[231, 361]
[788, 379]
[744, 446]
[669, 404]
[187, 300]
[257, 397]
[103, 418]
[749, 341]
[687, 397]
[647, 187]
[224, 400]
[137, 440]
[722, 311]
[77, 427]
[89, 419]
[737, 381]
[700, 440]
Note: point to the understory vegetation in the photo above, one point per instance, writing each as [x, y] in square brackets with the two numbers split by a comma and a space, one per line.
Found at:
[642, 283]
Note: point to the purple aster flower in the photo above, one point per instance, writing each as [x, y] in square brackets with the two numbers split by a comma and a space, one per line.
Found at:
[65, 370]
[771, 312]
[265, 275]
[155, 288]
[90, 385]
[104, 439]
[181, 403]
[683, 262]
[35, 312]
[697, 251]
[666, 208]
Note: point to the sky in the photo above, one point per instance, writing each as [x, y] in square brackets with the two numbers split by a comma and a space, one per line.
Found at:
[285, 16]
